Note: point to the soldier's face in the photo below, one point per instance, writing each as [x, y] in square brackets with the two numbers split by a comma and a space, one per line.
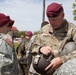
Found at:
[28, 37]
[5, 29]
[57, 21]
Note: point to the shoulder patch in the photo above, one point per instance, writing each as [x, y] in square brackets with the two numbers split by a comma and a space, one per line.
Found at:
[9, 41]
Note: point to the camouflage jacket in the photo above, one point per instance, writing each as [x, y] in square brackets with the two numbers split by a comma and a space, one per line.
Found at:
[8, 59]
[23, 46]
[55, 38]
[24, 51]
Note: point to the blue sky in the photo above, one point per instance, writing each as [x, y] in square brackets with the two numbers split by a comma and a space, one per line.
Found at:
[28, 13]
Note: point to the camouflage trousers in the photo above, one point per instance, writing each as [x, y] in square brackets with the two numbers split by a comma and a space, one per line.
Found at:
[23, 69]
[34, 73]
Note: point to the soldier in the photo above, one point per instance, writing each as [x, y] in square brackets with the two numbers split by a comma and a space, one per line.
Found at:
[52, 40]
[31, 69]
[23, 51]
[8, 60]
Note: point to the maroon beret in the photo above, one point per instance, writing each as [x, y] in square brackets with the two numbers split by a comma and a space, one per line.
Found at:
[11, 22]
[53, 10]
[28, 33]
[4, 19]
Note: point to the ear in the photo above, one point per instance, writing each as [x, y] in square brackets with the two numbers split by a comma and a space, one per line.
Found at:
[63, 14]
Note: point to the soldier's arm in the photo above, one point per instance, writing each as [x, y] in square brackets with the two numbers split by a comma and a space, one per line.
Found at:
[22, 47]
[36, 45]
[73, 53]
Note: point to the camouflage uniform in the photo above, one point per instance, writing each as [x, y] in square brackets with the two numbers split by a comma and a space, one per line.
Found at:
[23, 60]
[64, 70]
[8, 60]
[31, 69]
[55, 39]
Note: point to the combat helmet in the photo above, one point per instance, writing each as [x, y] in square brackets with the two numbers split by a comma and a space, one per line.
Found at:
[42, 63]
[68, 48]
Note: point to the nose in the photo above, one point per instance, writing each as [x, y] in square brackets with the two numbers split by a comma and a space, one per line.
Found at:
[52, 22]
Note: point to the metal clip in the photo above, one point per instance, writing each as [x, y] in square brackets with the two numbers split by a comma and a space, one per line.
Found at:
[36, 59]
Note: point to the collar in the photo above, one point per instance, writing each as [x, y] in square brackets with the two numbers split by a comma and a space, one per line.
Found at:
[63, 28]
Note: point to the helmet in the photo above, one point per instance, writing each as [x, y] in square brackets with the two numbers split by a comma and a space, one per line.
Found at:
[43, 62]
[69, 47]
[28, 33]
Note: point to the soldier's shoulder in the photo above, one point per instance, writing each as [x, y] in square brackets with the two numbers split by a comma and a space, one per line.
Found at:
[46, 29]
[4, 38]
[8, 39]
[71, 25]
[33, 38]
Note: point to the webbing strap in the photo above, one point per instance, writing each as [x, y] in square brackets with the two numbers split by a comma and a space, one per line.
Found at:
[67, 38]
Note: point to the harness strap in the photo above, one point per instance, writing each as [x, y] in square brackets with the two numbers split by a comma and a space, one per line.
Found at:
[67, 38]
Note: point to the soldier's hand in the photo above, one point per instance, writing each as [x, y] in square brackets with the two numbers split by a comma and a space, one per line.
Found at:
[54, 64]
[45, 50]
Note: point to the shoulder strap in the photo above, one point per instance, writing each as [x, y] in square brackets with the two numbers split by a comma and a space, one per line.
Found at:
[67, 38]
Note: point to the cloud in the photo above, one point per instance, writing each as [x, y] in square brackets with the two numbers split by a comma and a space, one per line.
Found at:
[28, 13]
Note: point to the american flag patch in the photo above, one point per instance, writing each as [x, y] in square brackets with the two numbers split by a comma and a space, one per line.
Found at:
[9, 41]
